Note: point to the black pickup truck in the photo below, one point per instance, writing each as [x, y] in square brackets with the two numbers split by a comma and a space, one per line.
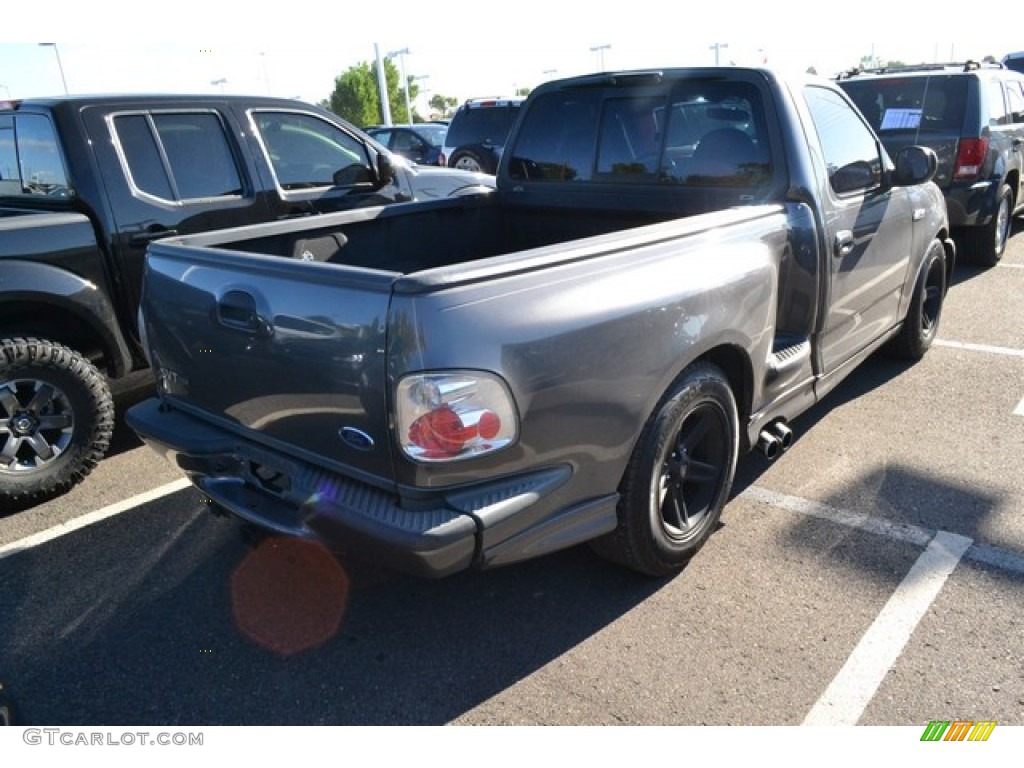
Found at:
[674, 265]
[86, 183]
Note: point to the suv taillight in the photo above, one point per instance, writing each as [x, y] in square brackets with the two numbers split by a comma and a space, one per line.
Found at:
[453, 415]
[970, 157]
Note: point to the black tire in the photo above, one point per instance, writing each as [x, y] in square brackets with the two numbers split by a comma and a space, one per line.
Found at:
[56, 420]
[474, 157]
[921, 324]
[985, 245]
[679, 477]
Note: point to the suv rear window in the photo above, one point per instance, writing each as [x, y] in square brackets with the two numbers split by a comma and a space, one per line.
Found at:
[934, 103]
[481, 125]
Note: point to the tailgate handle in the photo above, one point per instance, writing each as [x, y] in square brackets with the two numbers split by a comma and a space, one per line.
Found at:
[237, 310]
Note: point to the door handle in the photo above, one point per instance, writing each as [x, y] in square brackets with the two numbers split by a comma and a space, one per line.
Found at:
[141, 238]
[237, 310]
[843, 245]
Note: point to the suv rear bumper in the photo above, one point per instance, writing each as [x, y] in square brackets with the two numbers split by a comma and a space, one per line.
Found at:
[971, 204]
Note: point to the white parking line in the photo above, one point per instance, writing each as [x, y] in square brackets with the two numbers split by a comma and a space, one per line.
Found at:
[852, 689]
[1019, 410]
[93, 517]
[1011, 266]
[980, 348]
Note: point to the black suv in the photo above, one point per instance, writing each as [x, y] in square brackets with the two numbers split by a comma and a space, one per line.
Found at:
[972, 115]
[477, 133]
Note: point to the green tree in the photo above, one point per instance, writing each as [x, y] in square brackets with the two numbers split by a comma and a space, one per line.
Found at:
[443, 105]
[356, 97]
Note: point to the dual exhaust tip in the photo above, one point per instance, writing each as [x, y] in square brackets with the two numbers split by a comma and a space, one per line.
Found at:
[775, 440]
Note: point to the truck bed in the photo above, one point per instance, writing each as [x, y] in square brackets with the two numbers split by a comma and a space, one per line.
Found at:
[413, 238]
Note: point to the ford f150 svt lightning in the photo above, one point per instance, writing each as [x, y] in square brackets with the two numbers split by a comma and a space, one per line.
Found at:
[674, 265]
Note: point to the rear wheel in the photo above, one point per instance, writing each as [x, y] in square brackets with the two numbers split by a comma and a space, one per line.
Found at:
[921, 324]
[474, 158]
[679, 477]
[56, 420]
[986, 245]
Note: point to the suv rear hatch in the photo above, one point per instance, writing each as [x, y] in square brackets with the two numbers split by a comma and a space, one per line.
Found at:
[296, 347]
[916, 110]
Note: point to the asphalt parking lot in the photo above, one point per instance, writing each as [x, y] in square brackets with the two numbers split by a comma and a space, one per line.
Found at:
[873, 575]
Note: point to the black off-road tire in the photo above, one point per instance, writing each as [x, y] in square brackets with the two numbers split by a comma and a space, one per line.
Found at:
[986, 245]
[679, 477]
[921, 324]
[56, 420]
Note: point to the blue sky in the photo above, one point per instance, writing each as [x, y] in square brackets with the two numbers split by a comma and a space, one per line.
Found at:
[459, 48]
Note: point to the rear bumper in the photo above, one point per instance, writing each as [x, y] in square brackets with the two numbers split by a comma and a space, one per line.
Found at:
[273, 490]
[971, 204]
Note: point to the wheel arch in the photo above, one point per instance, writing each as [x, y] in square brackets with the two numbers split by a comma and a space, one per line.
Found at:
[42, 301]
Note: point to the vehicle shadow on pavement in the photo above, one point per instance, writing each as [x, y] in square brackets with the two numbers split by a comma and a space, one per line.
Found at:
[136, 621]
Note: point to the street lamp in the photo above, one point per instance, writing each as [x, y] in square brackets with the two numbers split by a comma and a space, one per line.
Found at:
[219, 81]
[599, 50]
[716, 48]
[401, 54]
[59, 65]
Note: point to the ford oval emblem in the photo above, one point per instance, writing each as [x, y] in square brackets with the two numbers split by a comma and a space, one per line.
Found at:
[356, 438]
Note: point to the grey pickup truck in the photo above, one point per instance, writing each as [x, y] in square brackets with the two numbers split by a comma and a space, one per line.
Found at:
[674, 265]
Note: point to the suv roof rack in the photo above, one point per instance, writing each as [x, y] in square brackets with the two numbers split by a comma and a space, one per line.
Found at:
[964, 66]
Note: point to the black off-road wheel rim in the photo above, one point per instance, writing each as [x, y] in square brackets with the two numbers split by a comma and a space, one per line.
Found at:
[932, 298]
[688, 483]
[37, 425]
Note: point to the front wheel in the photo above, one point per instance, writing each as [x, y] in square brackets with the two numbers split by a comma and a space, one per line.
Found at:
[986, 245]
[56, 420]
[679, 477]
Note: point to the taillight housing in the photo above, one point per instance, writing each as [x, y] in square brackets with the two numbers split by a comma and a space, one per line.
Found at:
[970, 158]
[454, 415]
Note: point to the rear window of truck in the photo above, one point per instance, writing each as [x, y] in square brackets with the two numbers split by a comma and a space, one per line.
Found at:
[702, 134]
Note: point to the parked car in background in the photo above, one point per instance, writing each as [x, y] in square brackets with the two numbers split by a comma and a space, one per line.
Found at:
[972, 115]
[87, 182]
[477, 134]
[1014, 61]
[419, 142]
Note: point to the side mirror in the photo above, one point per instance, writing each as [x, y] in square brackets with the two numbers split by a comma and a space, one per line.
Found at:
[353, 174]
[914, 165]
[386, 173]
[855, 176]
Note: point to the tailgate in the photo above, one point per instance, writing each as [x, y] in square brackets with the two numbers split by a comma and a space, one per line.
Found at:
[285, 352]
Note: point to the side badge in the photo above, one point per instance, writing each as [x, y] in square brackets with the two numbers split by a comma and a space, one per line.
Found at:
[356, 438]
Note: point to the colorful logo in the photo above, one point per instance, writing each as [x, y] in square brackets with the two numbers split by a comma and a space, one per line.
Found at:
[958, 730]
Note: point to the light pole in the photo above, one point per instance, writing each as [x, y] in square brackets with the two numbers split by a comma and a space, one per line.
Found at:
[6, 89]
[59, 65]
[599, 50]
[401, 54]
[716, 48]
[219, 81]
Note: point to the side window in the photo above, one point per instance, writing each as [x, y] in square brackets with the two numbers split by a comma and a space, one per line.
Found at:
[176, 157]
[997, 104]
[306, 151]
[1015, 99]
[850, 148]
[30, 159]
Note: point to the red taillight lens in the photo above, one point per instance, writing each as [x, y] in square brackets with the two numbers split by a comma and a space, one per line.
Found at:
[443, 433]
[456, 415]
[970, 158]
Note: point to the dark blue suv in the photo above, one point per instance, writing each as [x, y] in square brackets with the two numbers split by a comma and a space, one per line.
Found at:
[972, 115]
